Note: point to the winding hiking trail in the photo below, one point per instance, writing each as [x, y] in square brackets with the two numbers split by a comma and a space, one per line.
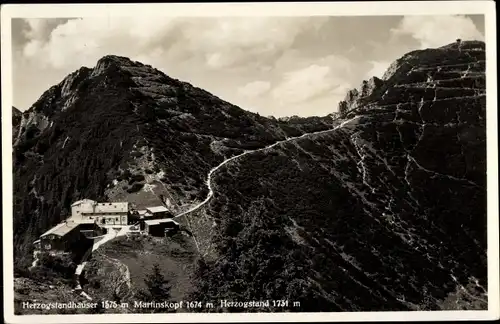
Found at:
[113, 233]
[213, 170]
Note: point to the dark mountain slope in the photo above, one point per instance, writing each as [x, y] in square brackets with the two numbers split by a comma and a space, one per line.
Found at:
[107, 132]
[385, 213]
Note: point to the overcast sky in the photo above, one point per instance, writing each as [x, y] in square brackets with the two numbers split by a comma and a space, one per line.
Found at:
[271, 65]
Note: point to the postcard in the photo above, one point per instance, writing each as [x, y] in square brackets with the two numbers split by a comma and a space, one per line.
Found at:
[250, 162]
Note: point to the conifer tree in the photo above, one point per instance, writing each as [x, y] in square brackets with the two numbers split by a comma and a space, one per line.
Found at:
[157, 288]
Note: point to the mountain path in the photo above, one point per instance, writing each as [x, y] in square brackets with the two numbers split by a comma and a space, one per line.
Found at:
[208, 182]
[113, 233]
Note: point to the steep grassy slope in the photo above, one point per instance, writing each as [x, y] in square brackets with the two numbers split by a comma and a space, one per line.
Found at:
[386, 213]
[118, 270]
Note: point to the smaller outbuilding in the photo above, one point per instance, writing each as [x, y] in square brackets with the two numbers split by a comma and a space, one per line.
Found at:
[68, 235]
[161, 227]
[157, 212]
[150, 213]
[60, 237]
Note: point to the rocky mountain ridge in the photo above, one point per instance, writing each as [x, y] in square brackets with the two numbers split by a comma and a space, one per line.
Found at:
[16, 121]
[379, 202]
[370, 216]
[126, 131]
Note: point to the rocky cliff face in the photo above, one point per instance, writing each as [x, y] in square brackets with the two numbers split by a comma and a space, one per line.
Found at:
[385, 213]
[16, 122]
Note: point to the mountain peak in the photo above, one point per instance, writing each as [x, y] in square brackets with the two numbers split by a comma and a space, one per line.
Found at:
[410, 67]
[115, 59]
[112, 62]
[466, 45]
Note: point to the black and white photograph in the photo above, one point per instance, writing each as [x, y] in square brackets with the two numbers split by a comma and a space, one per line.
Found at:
[249, 162]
